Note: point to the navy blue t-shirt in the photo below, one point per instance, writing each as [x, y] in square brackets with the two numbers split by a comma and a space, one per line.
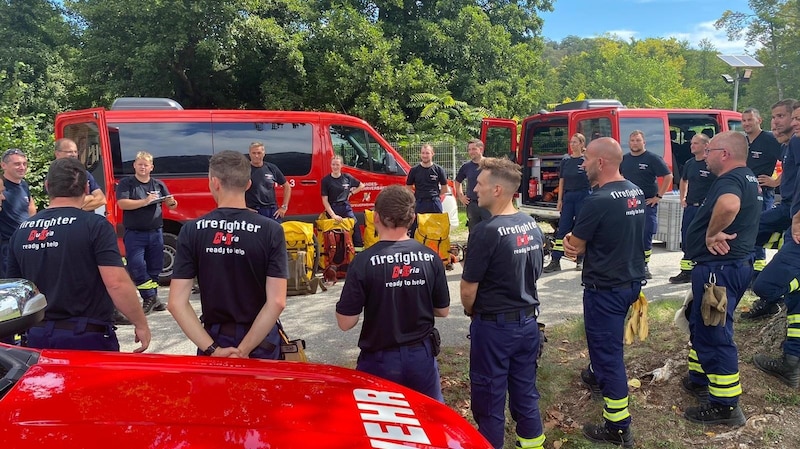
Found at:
[469, 171]
[15, 207]
[763, 153]
[338, 189]
[397, 284]
[644, 170]
[426, 181]
[60, 250]
[791, 159]
[231, 252]
[144, 218]
[744, 184]
[699, 179]
[612, 224]
[262, 188]
[505, 259]
[573, 174]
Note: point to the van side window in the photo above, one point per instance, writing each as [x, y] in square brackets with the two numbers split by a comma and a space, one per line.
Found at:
[594, 128]
[653, 129]
[288, 145]
[177, 148]
[360, 150]
[87, 137]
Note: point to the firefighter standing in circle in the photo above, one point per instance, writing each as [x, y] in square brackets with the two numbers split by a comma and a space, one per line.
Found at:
[140, 196]
[608, 231]
[337, 188]
[498, 290]
[401, 286]
[73, 257]
[264, 175]
[643, 168]
[469, 172]
[239, 259]
[720, 243]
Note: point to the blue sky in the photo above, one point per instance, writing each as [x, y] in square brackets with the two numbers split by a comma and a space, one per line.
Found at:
[689, 20]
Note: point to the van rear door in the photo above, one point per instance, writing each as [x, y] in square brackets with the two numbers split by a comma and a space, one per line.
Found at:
[499, 138]
[89, 131]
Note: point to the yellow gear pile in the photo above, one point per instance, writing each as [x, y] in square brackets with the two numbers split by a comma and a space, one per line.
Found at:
[637, 325]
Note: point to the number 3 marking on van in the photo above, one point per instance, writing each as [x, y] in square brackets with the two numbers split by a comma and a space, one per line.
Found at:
[291, 182]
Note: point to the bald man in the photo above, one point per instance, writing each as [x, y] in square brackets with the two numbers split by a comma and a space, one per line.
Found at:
[608, 231]
[720, 242]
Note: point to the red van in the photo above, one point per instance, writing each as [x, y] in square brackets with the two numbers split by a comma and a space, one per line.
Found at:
[544, 140]
[181, 141]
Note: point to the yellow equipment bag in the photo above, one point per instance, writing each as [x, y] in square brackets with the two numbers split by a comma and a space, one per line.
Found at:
[370, 233]
[300, 238]
[433, 231]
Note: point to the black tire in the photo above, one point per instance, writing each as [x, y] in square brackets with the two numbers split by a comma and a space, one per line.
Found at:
[170, 249]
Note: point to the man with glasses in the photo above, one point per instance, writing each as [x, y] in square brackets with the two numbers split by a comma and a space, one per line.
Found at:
[719, 242]
[95, 198]
[18, 204]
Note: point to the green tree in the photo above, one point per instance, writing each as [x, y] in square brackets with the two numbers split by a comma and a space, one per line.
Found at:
[457, 120]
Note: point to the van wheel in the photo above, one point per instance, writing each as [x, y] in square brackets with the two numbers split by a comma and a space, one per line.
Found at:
[170, 249]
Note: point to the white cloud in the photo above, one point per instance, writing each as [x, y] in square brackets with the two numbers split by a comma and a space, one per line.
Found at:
[706, 30]
[625, 35]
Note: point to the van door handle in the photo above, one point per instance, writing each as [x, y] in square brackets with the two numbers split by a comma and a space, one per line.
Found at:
[308, 182]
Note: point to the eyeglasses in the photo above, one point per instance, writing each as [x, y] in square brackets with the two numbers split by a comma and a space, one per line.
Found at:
[11, 152]
[708, 150]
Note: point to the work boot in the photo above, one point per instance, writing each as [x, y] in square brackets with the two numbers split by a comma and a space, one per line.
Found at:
[700, 392]
[685, 276]
[602, 434]
[786, 368]
[647, 274]
[590, 380]
[555, 265]
[148, 304]
[761, 309]
[121, 319]
[159, 306]
[708, 414]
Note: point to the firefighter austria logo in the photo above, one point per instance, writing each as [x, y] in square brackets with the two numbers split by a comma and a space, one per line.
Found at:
[633, 203]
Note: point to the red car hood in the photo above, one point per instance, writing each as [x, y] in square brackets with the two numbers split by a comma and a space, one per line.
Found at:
[77, 399]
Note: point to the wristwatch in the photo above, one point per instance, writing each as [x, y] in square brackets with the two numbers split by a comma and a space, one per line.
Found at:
[210, 350]
[285, 207]
[659, 196]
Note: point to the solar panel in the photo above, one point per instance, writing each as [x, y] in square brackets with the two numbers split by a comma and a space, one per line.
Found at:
[740, 60]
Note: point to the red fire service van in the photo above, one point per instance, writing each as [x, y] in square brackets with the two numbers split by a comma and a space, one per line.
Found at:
[544, 140]
[181, 141]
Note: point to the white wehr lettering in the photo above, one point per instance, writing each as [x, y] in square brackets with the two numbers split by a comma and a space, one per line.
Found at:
[382, 410]
[228, 226]
[629, 193]
[516, 229]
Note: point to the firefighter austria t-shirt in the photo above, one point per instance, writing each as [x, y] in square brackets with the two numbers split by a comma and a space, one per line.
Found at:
[397, 284]
[232, 252]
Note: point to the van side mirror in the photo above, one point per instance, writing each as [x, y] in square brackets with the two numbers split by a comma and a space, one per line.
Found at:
[390, 164]
[21, 306]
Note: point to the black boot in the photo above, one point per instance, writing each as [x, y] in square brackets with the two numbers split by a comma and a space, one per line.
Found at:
[685, 276]
[761, 309]
[700, 392]
[159, 306]
[786, 368]
[602, 434]
[709, 414]
[120, 319]
[148, 304]
[647, 274]
[555, 265]
[588, 378]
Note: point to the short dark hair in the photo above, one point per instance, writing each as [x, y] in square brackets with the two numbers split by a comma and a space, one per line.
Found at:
[504, 171]
[66, 178]
[786, 103]
[395, 207]
[231, 168]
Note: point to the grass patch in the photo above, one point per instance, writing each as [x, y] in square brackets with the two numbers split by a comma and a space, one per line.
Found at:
[656, 407]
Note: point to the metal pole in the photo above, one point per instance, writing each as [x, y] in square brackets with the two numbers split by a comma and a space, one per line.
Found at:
[736, 91]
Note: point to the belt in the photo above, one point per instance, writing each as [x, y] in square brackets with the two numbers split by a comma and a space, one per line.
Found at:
[418, 344]
[229, 330]
[71, 325]
[620, 287]
[726, 263]
[340, 203]
[509, 316]
[695, 204]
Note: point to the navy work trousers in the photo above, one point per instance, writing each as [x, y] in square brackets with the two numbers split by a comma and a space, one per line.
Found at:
[48, 337]
[714, 347]
[414, 367]
[144, 251]
[571, 204]
[604, 312]
[503, 358]
[225, 340]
